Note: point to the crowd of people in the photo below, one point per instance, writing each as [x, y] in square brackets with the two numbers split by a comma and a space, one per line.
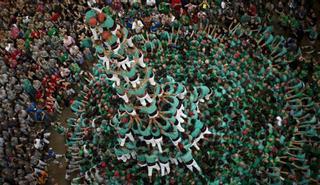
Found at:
[41, 62]
[260, 59]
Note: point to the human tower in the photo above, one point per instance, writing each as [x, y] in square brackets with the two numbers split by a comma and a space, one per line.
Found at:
[257, 116]
[152, 119]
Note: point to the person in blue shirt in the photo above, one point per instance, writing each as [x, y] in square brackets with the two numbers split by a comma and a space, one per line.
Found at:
[39, 114]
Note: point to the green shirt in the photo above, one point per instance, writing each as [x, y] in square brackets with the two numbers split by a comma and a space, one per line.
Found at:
[151, 158]
[187, 157]
[108, 23]
[145, 132]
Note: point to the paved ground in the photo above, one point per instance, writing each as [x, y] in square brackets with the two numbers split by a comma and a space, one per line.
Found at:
[57, 143]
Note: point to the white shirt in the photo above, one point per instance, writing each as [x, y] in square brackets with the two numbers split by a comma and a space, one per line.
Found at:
[223, 5]
[137, 25]
[38, 144]
[151, 2]
[279, 121]
[67, 42]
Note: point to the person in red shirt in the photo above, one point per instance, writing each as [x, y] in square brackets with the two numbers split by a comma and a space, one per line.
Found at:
[176, 4]
[252, 10]
[55, 16]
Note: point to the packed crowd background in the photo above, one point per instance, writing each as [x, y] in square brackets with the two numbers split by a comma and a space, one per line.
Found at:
[260, 57]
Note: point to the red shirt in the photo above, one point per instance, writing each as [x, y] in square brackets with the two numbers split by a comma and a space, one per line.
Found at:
[253, 10]
[35, 34]
[39, 94]
[195, 19]
[55, 17]
[175, 3]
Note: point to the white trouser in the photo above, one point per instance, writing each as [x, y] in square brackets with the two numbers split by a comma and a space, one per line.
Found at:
[128, 64]
[106, 62]
[159, 143]
[127, 156]
[205, 132]
[144, 98]
[165, 168]
[123, 140]
[115, 78]
[179, 127]
[151, 80]
[129, 42]
[183, 94]
[124, 97]
[140, 61]
[207, 97]
[115, 31]
[141, 138]
[142, 165]
[176, 142]
[193, 165]
[116, 51]
[195, 142]
[124, 157]
[174, 161]
[150, 169]
[180, 112]
[151, 141]
[201, 136]
[133, 154]
[123, 63]
[134, 83]
[197, 104]
[133, 113]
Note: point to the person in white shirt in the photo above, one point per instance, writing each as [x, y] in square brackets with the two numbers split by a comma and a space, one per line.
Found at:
[279, 121]
[137, 26]
[151, 3]
[223, 5]
[68, 41]
[38, 144]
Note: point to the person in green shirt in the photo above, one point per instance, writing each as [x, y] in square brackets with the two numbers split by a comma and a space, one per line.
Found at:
[124, 130]
[187, 158]
[123, 95]
[157, 137]
[152, 159]
[113, 77]
[122, 153]
[164, 163]
[146, 98]
[145, 133]
[28, 87]
[174, 135]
